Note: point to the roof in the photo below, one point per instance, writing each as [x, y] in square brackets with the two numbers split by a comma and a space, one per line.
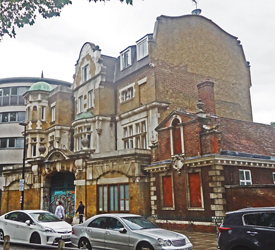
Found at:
[41, 85]
[84, 115]
[253, 209]
[34, 80]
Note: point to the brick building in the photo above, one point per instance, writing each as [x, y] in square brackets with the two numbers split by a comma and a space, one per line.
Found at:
[204, 165]
[97, 142]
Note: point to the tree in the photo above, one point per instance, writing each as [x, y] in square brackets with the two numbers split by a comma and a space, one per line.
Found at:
[17, 13]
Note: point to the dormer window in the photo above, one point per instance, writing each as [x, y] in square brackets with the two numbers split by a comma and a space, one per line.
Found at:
[125, 59]
[85, 71]
[142, 48]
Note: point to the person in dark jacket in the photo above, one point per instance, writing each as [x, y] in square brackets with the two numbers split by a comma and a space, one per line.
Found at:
[80, 210]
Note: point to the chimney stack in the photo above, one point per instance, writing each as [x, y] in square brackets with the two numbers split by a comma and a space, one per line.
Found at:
[206, 95]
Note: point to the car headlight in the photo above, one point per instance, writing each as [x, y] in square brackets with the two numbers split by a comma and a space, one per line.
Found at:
[164, 243]
[48, 230]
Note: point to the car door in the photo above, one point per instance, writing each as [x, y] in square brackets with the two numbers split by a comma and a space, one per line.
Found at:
[10, 224]
[260, 227]
[115, 237]
[22, 230]
[96, 232]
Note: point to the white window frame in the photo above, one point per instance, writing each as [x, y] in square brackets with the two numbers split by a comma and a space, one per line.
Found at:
[91, 99]
[135, 135]
[125, 59]
[80, 104]
[127, 93]
[142, 48]
[85, 72]
[245, 181]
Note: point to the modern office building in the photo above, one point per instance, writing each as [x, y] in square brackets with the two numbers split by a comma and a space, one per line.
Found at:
[12, 111]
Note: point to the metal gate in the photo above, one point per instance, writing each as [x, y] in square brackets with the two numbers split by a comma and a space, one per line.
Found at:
[62, 189]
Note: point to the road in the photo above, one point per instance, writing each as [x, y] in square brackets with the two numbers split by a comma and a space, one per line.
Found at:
[201, 241]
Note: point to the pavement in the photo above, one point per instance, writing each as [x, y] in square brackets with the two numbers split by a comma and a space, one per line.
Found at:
[202, 241]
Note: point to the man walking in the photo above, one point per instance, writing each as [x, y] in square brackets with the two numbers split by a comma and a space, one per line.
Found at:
[59, 211]
[80, 210]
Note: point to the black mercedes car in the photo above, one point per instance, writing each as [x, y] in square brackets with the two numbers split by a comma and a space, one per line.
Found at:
[248, 229]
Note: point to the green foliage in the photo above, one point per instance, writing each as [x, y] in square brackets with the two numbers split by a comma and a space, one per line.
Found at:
[17, 13]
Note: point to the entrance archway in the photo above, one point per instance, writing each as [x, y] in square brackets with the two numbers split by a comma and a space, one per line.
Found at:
[62, 189]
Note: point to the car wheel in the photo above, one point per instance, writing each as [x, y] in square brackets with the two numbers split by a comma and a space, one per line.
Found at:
[35, 238]
[1, 235]
[84, 244]
[145, 246]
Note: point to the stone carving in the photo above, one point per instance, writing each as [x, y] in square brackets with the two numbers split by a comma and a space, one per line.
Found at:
[178, 162]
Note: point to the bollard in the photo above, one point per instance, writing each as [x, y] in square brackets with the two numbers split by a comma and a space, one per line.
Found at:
[61, 244]
[6, 245]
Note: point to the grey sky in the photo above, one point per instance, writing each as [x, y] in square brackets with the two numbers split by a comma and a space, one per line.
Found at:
[53, 45]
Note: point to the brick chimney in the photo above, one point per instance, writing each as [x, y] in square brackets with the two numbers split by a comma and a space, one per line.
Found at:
[206, 95]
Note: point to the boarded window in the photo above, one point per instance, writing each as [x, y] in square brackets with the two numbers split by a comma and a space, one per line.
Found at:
[176, 137]
[195, 190]
[167, 191]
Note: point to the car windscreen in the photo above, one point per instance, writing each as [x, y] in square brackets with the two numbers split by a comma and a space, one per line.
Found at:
[44, 217]
[138, 223]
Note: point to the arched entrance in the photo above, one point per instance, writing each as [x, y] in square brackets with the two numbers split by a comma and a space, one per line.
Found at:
[62, 189]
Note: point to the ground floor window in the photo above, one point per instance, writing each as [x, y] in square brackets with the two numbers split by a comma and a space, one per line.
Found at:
[113, 198]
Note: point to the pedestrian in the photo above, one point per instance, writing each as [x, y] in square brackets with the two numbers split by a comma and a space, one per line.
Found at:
[80, 210]
[59, 211]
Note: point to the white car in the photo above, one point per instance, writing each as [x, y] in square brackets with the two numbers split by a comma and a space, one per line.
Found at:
[34, 226]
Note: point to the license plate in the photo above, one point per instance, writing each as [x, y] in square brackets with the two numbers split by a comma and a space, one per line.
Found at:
[65, 236]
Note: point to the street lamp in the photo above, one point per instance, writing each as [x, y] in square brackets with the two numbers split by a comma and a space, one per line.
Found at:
[21, 182]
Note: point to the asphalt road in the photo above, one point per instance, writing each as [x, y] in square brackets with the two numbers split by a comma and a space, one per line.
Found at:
[22, 246]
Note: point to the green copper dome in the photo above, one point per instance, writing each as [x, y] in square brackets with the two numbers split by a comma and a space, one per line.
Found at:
[84, 115]
[41, 86]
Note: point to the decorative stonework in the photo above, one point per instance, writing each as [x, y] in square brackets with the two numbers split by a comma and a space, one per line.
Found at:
[178, 162]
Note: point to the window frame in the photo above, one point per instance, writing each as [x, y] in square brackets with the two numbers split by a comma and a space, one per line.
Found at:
[91, 98]
[142, 48]
[80, 104]
[103, 194]
[85, 72]
[163, 207]
[245, 181]
[125, 59]
[53, 109]
[127, 93]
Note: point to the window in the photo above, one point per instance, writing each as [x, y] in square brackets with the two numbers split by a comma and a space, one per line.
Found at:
[85, 71]
[245, 177]
[273, 177]
[260, 219]
[113, 198]
[167, 195]
[127, 93]
[12, 96]
[53, 113]
[90, 99]
[43, 110]
[176, 137]
[135, 136]
[142, 48]
[195, 194]
[33, 142]
[80, 104]
[125, 59]
[11, 142]
[99, 223]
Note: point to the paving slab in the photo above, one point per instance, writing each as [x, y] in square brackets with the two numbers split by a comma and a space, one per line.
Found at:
[202, 241]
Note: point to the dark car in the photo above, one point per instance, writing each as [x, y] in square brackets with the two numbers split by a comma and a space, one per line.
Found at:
[248, 229]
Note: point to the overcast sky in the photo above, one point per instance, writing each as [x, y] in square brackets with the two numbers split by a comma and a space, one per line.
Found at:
[53, 45]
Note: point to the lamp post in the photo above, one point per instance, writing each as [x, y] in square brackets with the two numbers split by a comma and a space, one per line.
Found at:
[22, 181]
